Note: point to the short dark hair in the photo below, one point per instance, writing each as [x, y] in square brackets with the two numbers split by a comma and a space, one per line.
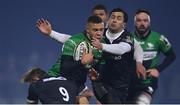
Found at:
[94, 19]
[142, 11]
[100, 7]
[121, 10]
[34, 72]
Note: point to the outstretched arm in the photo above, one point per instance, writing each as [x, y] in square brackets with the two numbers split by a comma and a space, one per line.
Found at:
[118, 49]
[45, 27]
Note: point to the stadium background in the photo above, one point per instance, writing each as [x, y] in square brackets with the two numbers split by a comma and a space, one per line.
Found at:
[23, 47]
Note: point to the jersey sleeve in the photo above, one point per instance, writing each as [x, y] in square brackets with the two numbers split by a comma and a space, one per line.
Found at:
[164, 44]
[60, 37]
[138, 52]
[166, 48]
[126, 45]
[68, 47]
[32, 96]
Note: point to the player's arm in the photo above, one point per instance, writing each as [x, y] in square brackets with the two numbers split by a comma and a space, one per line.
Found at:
[67, 59]
[122, 48]
[166, 48]
[73, 57]
[32, 96]
[138, 56]
[169, 58]
[118, 49]
[45, 27]
[138, 52]
[168, 51]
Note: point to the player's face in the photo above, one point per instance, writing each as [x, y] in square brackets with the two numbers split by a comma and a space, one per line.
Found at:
[95, 30]
[142, 22]
[102, 14]
[116, 22]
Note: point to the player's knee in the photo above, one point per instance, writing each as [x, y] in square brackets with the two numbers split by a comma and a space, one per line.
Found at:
[143, 99]
[83, 100]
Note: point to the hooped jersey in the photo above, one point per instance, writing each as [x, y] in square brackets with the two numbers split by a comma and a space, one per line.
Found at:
[55, 70]
[72, 51]
[74, 47]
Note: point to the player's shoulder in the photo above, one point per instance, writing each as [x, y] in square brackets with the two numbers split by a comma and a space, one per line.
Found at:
[158, 36]
[127, 37]
[155, 34]
[77, 36]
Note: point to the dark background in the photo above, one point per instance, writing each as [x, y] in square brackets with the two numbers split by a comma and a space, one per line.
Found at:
[23, 47]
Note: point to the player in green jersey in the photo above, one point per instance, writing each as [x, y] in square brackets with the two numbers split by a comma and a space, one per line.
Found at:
[152, 43]
[73, 65]
[45, 27]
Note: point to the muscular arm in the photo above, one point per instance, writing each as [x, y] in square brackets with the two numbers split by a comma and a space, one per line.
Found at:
[167, 50]
[44, 26]
[170, 57]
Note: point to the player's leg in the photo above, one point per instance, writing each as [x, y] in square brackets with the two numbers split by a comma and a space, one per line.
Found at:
[84, 95]
[143, 98]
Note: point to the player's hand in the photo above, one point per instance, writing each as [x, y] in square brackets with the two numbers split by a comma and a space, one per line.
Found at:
[96, 43]
[153, 73]
[93, 74]
[140, 70]
[87, 58]
[44, 26]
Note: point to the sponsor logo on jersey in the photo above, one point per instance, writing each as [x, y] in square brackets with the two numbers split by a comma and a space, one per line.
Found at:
[150, 46]
[117, 57]
[149, 55]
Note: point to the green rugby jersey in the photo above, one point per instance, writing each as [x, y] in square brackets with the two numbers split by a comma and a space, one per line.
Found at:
[74, 47]
[54, 70]
[152, 45]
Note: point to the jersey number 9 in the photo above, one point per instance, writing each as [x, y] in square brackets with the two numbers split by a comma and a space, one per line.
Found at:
[64, 93]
